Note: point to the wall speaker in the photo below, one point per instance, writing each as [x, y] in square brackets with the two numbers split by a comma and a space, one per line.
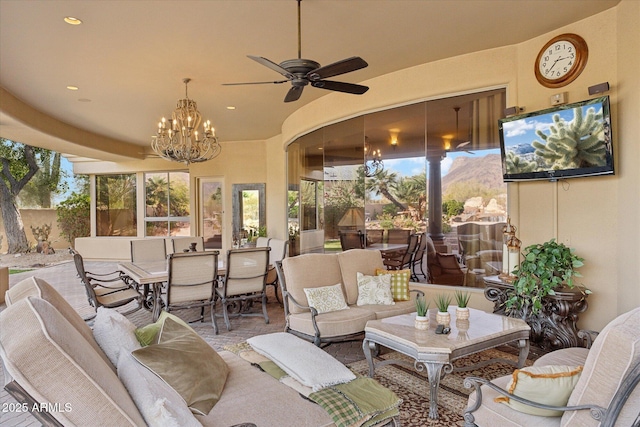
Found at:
[599, 88]
[513, 110]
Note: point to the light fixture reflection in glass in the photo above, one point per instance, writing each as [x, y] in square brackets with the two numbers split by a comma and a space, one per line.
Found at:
[372, 160]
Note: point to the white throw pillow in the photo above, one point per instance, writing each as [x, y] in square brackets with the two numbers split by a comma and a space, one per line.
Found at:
[159, 404]
[374, 290]
[326, 298]
[114, 333]
[549, 385]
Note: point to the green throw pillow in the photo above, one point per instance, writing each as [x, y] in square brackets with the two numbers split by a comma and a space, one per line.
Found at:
[399, 283]
[549, 385]
[188, 364]
[147, 335]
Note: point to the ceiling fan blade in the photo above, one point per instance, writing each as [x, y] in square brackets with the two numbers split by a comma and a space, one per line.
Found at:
[341, 67]
[270, 64]
[255, 83]
[340, 87]
[462, 144]
[293, 94]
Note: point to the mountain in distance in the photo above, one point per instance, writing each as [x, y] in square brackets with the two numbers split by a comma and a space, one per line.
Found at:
[487, 170]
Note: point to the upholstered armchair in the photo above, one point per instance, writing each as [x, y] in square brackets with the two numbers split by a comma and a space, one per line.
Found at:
[443, 269]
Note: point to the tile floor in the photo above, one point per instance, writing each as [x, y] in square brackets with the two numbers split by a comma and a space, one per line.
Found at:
[63, 277]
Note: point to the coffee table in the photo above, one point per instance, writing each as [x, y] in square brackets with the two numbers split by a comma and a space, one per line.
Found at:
[435, 352]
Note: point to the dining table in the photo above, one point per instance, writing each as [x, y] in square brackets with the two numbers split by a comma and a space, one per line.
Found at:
[151, 275]
[387, 248]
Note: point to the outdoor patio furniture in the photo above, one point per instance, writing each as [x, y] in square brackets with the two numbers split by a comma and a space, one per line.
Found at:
[443, 269]
[191, 280]
[351, 240]
[606, 393]
[418, 258]
[108, 290]
[398, 235]
[403, 259]
[279, 250]
[243, 283]
[374, 236]
[143, 250]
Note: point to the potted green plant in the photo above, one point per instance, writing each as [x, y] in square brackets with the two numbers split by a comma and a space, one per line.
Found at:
[462, 299]
[546, 268]
[422, 318]
[442, 302]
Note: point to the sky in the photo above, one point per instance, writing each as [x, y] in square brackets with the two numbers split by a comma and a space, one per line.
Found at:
[523, 131]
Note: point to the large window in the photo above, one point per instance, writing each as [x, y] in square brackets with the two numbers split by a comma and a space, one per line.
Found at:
[167, 204]
[116, 205]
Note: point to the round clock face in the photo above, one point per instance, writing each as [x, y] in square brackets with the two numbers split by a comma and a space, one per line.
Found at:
[561, 60]
[558, 60]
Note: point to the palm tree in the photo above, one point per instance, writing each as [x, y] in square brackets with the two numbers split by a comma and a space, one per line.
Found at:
[383, 183]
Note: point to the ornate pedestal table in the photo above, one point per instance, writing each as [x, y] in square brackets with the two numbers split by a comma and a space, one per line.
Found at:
[555, 326]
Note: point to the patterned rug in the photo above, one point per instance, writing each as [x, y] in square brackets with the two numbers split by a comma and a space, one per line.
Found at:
[412, 387]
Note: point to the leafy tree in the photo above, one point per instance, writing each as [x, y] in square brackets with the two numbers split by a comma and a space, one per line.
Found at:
[47, 181]
[384, 183]
[74, 216]
[19, 164]
[452, 208]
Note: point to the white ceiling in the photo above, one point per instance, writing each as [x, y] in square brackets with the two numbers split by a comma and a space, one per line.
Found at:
[128, 58]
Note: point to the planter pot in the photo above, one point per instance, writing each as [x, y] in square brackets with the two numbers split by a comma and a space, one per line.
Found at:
[422, 323]
[443, 318]
[462, 313]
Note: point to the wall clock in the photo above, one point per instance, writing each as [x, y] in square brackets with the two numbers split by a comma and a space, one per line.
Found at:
[561, 60]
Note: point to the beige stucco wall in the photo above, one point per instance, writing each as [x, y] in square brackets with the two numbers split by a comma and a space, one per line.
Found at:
[36, 218]
[598, 216]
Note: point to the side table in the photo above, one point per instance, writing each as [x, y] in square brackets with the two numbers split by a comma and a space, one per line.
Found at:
[555, 326]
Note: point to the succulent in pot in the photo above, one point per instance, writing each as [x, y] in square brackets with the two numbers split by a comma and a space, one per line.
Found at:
[442, 302]
[422, 309]
[462, 299]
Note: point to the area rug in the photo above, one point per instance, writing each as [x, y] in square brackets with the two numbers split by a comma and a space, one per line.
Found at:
[412, 386]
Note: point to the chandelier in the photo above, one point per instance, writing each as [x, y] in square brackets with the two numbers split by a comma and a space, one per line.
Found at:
[179, 138]
[372, 160]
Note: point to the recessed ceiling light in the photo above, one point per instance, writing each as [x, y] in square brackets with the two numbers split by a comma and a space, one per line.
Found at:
[231, 107]
[84, 100]
[72, 21]
[72, 87]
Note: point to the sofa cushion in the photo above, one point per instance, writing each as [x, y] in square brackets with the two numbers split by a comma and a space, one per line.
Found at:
[334, 324]
[33, 286]
[55, 364]
[613, 352]
[399, 283]
[148, 334]
[159, 404]
[188, 364]
[305, 362]
[384, 311]
[353, 261]
[374, 289]
[309, 271]
[271, 403]
[114, 333]
[326, 299]
[549, 385]
[574, 356]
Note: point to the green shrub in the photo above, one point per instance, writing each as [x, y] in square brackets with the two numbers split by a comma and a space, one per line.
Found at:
[74, 217]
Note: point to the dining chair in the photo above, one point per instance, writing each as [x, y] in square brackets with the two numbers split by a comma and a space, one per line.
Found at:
[262, 242]
[418, 258]
[398, 235]
[403, 259]
[374, 236]
[144, 250]
[243, 283]
[351, 240]
[191, 282]
[184, 244]
[279, 251]
[110, 290]
[443, 269]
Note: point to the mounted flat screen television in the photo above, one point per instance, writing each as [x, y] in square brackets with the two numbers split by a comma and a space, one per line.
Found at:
[567, 141]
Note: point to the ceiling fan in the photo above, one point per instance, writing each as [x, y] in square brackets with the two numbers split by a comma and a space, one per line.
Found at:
[302, 72]
[459, 146]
